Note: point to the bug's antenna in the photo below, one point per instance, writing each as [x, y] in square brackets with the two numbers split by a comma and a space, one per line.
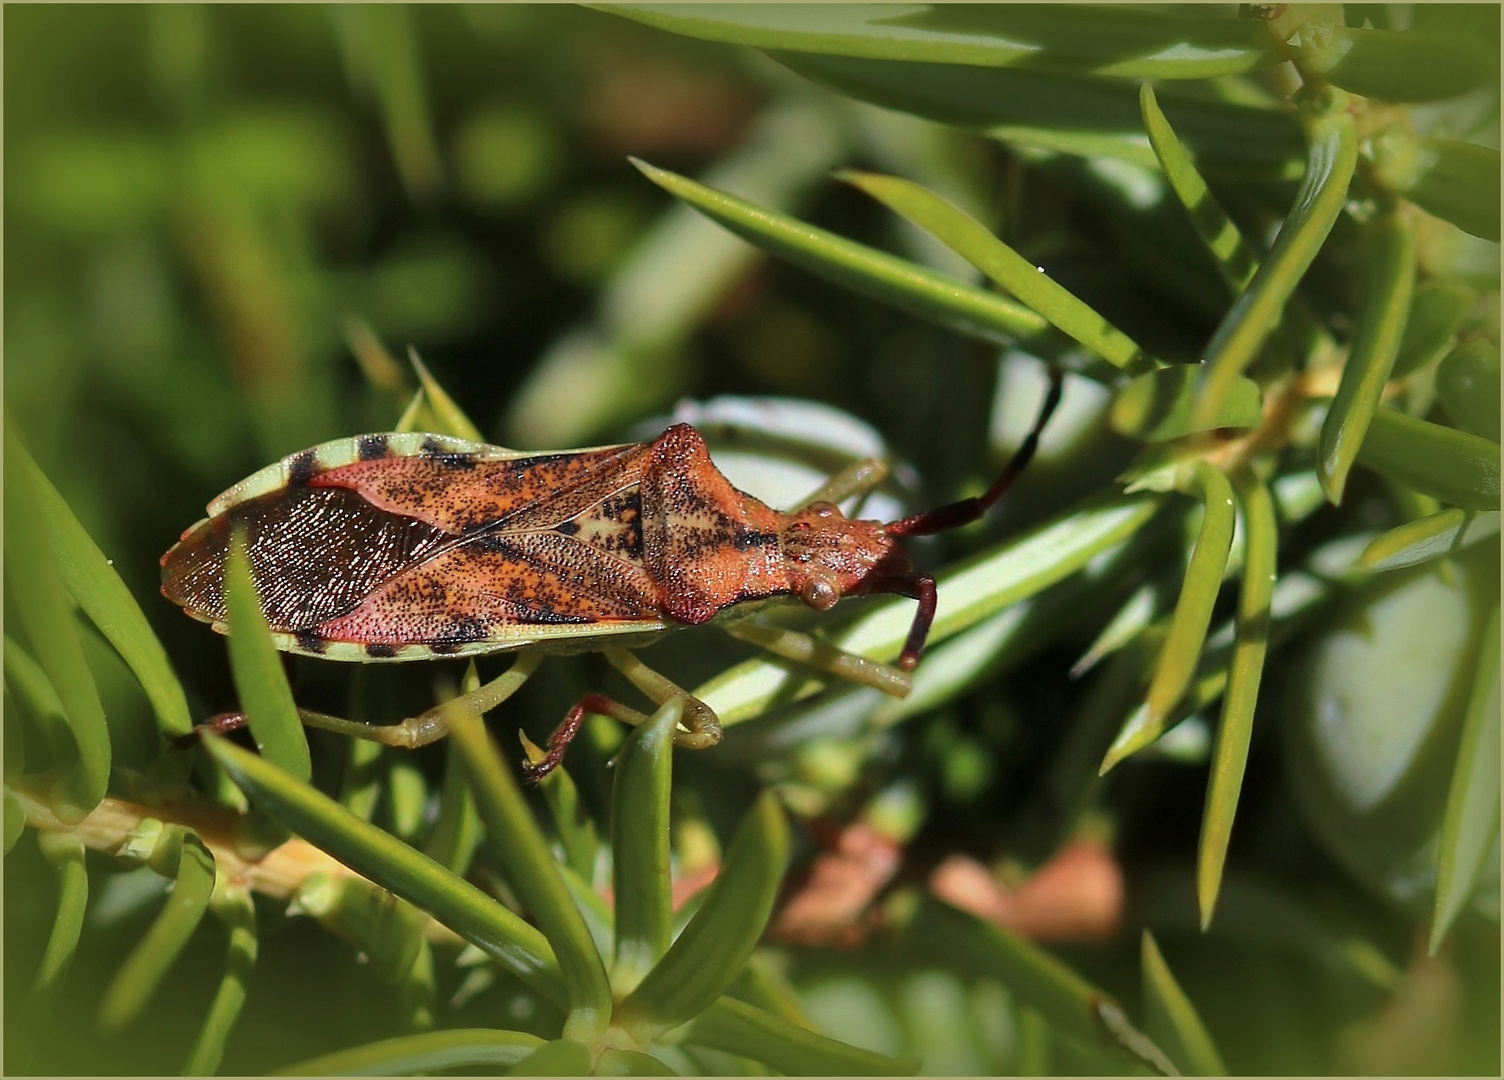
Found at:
[950, 516]
[966, 511]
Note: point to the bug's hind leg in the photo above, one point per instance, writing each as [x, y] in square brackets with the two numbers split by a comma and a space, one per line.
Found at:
[858, 478]
[823, 656]
[413, 732]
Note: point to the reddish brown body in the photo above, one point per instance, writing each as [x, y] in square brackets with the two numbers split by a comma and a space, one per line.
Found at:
[452, 551]
[408, 546]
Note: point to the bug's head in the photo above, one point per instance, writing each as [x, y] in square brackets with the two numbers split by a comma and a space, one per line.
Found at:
[828, 555]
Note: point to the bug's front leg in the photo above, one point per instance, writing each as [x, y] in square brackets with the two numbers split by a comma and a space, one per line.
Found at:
[823, 656]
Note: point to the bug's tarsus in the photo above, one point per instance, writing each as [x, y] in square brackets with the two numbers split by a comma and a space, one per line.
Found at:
[564, 734]
[219, 724]
[410, 734]
[699, 726]
[921, 589]
[953, 515]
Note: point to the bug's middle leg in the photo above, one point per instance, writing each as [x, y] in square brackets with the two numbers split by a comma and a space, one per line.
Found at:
[823, 656]
[699, 725]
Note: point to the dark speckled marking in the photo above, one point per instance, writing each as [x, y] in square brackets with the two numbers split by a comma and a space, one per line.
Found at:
[380, 652]
[432, 448]
[547, 459]
[302, 468]
[461, 630]
[445, 648]
[310, 641]
[743, 541]
[373, 447]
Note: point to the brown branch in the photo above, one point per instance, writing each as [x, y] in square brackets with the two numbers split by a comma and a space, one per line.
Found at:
[278, 873]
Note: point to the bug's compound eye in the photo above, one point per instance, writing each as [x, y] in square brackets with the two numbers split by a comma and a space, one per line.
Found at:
[824, 509]
[819, 593]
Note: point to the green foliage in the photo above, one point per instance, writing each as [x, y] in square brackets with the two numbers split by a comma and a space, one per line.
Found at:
[1235, 729]
[1472, 814]
[1171, 1018]
[265, 696]
[1330, 160]
[177, 854]
[80, 743]
[1269, 502]
[1388, 286]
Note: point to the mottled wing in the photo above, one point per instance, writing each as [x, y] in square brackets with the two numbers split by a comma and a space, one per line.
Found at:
[461, 493]
[401, 557]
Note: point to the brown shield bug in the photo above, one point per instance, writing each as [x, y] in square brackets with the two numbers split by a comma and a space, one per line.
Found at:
[406, 546]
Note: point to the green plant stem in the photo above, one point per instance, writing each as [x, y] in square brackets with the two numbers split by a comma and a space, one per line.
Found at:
[562, 1057]
[630, 1063]
[735, 1027]
[968, 238]
[66, 853]
[1471, 820]
[35, 590]
[1443, 533]
[1467, 382]
[907, 286]
[456, 834]
[712, 949]
[452, 419]
[381, 857]
[270, 711]
[1223, 239]
[1452, 465]
[576, 830]
[1198, 593]
[1072, 1005]
[91, 579]
[1171, 1020]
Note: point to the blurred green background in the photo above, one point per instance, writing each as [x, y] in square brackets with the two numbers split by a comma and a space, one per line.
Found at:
[213, 216]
